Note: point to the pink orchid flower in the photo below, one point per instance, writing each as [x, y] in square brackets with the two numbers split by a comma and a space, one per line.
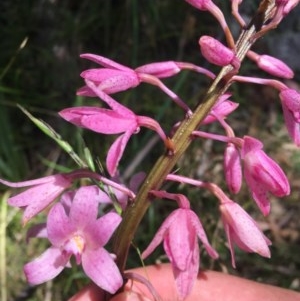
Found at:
[290, 100]
[262, 174]
[116, 121]
[242, 230]
[180, 232]
[41, 193]
[222, 108]
[81, 234]
[115, 77]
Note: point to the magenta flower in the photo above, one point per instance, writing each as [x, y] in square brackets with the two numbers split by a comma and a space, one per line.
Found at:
[242, 230]
[41, 193]
[116, 121]
[179, 233]
[115, 77]
[262, 174]
[290, 101]
[81, 234]
[222, 108]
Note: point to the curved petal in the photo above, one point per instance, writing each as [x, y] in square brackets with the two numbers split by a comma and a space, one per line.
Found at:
[117, 107]
[103, 61]
[160, 234]
[34, 182]
[100, 267]
[45, 267]
[258, 193]
[195, 222]
[116, 151]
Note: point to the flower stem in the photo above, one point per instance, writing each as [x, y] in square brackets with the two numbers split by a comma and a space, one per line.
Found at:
[182, 139]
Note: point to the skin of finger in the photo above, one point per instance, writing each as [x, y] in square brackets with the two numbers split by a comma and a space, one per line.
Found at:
[209, 286]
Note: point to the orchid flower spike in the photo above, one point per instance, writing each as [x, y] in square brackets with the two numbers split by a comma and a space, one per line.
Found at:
[218, 54]
[271, 65]
[115, 77]
[116, 121]
[290, 101]
[262, 174]
[179, 234]
[208, 5]
[79, 233]
[242, 230]
[39, 195]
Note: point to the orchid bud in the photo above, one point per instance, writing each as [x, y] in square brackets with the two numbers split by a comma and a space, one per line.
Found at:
[216, 53]
[271, 65]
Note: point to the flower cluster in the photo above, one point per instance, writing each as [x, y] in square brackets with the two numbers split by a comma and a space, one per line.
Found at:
[82, 218]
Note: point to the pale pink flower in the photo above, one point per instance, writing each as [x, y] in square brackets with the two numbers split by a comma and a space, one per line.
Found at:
[79, 233]
[116, 121]
[262, 174]
[39, 195]
[242, 230]
[179, 233]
